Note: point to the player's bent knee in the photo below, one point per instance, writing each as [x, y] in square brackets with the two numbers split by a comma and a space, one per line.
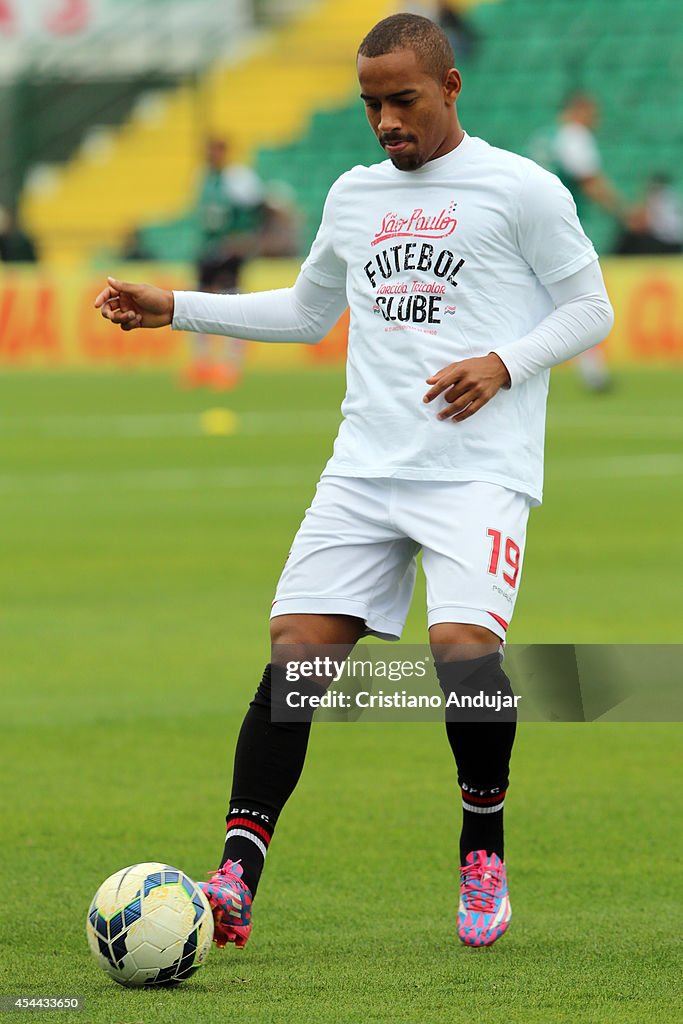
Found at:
[306, 632]
[461, 641]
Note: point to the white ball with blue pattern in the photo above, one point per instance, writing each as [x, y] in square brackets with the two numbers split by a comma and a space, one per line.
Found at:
[149, 924]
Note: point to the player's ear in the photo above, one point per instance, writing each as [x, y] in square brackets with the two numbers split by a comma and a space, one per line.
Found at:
[452, 84]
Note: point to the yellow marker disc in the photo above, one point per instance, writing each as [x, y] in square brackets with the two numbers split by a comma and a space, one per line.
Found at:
[217, 422]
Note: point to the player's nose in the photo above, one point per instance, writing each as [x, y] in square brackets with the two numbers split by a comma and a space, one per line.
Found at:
[389, 121]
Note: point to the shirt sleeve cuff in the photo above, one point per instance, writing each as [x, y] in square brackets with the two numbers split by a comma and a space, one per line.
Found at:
[507, 359]
[179, 322]
[573, 267]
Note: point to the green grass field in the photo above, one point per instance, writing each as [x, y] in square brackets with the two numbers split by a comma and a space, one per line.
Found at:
[139, 556]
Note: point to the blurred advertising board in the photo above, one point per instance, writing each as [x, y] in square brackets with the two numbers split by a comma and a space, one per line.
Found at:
[55, 19]
[647, 295]
[47, 319]
[74, 37]
[28, 18]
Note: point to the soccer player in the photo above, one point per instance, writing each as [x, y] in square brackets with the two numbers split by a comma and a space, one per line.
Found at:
[468, 276]
[572, 153]
[238, 220]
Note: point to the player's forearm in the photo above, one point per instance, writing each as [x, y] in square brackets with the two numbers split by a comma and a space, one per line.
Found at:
[303, 313]
[602, 192]
[583, 317]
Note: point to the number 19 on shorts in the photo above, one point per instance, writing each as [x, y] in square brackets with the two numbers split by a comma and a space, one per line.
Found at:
[511, 556]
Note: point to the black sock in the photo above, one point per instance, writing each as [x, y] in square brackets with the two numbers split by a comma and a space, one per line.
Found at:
[269, 759]
[248, 834]
[482, 821]
[482, 752]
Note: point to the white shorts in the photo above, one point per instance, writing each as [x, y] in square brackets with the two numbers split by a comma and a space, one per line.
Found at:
[355, 552]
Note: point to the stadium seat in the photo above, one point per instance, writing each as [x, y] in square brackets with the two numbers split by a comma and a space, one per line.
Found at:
[531, 56]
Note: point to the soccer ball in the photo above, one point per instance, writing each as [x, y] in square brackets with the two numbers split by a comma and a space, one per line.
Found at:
[149, 924]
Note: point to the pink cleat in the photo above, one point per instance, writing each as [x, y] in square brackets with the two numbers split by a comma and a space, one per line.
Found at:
[484, 913]
[230, 901]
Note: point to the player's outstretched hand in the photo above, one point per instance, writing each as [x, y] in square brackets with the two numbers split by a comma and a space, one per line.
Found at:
[468, 385]
[135, 305]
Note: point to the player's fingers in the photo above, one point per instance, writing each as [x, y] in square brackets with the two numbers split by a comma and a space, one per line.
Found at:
[436, 376]
[109, 312]
[106, 295]
[124, 286]
[455, 407]
[456, 391]
[457, 397]
[454, 413]
[439, 387]
[131, 324]
[118, 315]
[473, 407]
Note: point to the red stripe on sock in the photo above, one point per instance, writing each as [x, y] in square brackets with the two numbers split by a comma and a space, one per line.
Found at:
[248, 823]
[484, 800]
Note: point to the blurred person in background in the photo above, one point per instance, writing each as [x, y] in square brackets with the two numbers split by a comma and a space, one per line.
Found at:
[575, 158]
[133, 248]
[457, 28]
[454, 24]
[571, 151]
[238, 220]
[16, 246]
[655, 226]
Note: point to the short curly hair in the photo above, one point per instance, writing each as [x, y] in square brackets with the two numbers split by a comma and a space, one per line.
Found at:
[411, 32]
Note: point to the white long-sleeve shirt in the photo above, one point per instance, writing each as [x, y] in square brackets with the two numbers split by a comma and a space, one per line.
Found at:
[478, 251]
